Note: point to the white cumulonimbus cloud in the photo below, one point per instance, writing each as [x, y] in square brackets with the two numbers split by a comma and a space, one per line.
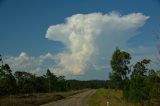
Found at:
[91, 38]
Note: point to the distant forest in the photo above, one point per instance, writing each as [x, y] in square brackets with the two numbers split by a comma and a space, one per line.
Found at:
[23, 82]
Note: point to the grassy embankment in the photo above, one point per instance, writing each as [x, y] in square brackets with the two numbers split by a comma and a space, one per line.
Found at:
[102, 96]
[114, 97]
[35, 99]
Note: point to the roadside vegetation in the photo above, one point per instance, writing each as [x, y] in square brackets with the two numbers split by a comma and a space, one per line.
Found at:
[139, 83]
[129, 84]
[35, 99]
[113, 97]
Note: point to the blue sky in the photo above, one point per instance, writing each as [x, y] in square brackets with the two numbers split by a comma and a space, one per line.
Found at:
[24, 24]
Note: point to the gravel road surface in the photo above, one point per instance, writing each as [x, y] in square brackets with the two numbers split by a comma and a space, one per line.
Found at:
[75, 100]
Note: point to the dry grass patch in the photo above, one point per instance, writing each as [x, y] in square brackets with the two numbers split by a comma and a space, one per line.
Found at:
[35, 99]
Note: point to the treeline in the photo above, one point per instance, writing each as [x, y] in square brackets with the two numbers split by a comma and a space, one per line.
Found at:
[23, 82]
[93, 84]
[139, 83]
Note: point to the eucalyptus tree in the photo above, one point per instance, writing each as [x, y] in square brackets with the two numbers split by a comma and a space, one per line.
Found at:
[120, 66]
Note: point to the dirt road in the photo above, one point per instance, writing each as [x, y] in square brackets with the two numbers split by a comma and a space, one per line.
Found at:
[76, 100]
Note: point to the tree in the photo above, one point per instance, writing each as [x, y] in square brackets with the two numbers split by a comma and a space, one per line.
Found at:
[153, 76]
[119, 63]
[61, 83]
[28, 83]
[7, 80]
[139, 87]
[154, 82]
[140, 68]
[51, 80]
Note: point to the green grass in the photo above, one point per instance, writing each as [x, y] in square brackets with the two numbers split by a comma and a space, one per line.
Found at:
[115, 98]
[102, 96]
[35, 99]
[99, 93]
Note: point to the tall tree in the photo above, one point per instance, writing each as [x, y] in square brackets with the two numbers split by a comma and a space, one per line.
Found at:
[119, 63]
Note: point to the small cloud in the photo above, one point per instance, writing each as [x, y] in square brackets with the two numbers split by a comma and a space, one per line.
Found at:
[23, 55]
[141, 50]
[24, 62]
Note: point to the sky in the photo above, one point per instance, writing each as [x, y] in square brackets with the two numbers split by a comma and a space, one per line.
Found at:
[76, 38]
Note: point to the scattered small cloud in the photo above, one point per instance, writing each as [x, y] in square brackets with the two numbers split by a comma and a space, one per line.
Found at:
[24, 62]
[141, 50]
